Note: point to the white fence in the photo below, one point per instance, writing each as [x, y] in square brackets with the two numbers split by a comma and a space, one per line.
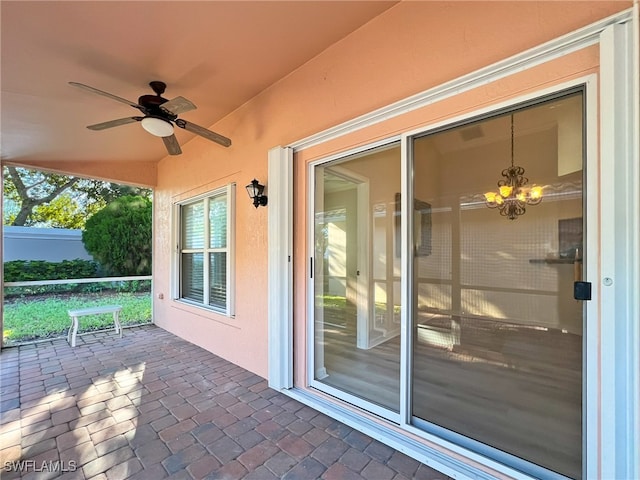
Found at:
[73, 281]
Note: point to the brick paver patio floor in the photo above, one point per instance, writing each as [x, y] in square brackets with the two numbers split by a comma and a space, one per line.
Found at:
[153, 406]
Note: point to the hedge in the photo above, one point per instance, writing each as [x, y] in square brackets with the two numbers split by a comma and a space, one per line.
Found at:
[30, 270]
[38, 270]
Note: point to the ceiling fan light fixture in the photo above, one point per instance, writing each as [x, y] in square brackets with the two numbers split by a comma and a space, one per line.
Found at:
[157, 126]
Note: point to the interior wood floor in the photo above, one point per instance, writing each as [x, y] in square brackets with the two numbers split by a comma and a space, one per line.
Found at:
[515, 388]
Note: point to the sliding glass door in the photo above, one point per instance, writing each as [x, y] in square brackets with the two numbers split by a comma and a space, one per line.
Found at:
[357, 278]
[497, 334]
[493, 344]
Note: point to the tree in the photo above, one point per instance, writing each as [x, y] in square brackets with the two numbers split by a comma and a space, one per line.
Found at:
[30, 190]
[64, 212]
[34, 198]
[119, 236]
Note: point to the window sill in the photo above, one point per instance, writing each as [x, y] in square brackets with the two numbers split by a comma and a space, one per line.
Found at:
[204, 312]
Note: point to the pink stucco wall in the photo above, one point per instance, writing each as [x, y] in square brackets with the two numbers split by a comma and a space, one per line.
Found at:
[408, 49]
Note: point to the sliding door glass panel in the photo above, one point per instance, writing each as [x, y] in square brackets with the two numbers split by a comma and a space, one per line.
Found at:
[497, 336]
[357, 307]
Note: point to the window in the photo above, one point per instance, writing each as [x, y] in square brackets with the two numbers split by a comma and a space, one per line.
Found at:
[205, 260]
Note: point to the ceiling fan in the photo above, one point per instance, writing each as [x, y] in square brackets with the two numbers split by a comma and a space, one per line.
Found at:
[159, 116]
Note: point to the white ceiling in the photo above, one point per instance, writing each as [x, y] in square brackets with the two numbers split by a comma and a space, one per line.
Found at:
[218, 54]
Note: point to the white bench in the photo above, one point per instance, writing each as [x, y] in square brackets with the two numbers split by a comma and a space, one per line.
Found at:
[81, 312]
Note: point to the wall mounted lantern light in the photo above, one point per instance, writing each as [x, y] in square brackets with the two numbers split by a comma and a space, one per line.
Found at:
[254, 189]
[513, 196]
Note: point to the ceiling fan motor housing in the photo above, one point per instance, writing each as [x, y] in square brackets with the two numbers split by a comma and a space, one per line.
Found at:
[158, 87]
[151, 103]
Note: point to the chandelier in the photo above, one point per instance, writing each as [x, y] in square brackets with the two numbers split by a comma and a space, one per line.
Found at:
[512, 196]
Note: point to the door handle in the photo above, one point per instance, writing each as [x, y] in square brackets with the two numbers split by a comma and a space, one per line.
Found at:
[577, 267]
[582, 290]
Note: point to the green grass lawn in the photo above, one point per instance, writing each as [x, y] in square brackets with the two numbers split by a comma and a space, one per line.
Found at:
[42, 317]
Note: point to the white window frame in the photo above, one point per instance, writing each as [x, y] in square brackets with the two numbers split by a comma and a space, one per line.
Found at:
[229, 309]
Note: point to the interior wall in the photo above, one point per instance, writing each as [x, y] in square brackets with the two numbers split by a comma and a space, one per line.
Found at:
[518, 248]
[404, 51]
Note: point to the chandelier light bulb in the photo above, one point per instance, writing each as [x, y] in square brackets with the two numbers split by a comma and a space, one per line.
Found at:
[505, 191]
[536, 192]
[490, 197]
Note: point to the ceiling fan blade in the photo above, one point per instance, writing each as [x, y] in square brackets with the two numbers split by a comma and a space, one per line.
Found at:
[203, 132]
[171, 142]
[114, 123]
[177, 105]
[106, 94]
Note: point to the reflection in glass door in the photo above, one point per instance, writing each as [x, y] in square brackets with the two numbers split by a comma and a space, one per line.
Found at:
[496, 335]
[356, 280]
